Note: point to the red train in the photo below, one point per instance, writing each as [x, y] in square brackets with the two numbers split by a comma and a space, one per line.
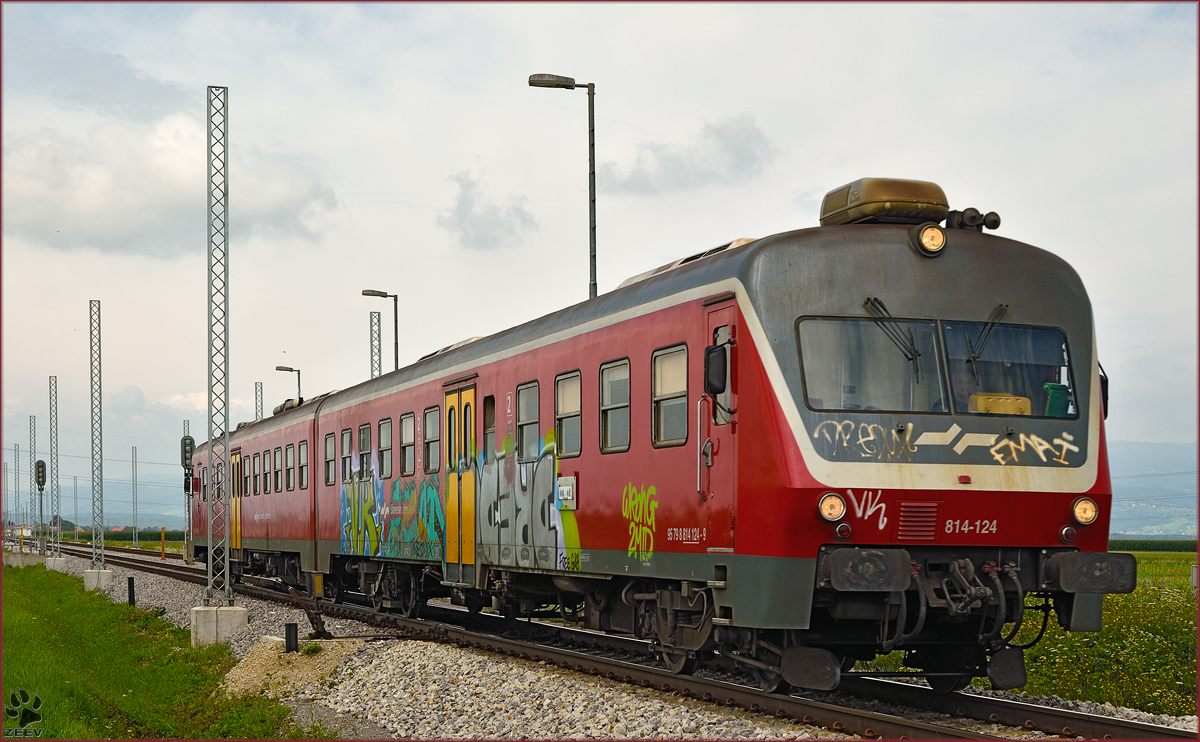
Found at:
[793, 452]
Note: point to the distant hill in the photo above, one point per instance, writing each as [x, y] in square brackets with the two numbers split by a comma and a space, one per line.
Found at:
[1154, 488]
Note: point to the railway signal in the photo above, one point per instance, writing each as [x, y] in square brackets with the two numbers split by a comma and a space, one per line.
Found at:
[39, 475]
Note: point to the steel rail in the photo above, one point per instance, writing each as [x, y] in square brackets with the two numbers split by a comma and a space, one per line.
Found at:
[1006, 711]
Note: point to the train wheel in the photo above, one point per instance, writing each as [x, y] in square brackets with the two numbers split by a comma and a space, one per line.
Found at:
[950, 662]
[769, 681]
[948, 683]
[678, 661]
[408, 597]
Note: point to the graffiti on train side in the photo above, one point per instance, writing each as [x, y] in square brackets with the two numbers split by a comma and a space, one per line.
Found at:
[361, 505]
[414, 520]
[868, 440]
[638, 506]
[519, 515]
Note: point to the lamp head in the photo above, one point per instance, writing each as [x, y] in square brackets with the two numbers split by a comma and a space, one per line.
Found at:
[284, 368]
[543, 80]
[375, 292]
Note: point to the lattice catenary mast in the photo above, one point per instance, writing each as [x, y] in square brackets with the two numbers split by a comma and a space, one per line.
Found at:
[33, 482]
[133, 460]
[258, 400]
[218, 347]
[376, 363]
[97, 442]
[187, 502]
[55, 494]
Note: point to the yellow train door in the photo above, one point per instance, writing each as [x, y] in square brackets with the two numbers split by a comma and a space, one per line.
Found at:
[460, 424]
[233, 495]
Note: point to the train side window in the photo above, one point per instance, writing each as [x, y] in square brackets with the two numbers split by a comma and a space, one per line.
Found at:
[433, 451]
[527, 421]
[669, 396]
[245, 466]
[408, 446]
[450, 439]
[204, 483]
[302, 453]
[266, 472]
[346, 455]
[385, 449]
[330, 460]
[614, 407]
[289, 462]
[468, 435]
[256, 467]
[489, 429]
[724, 400]
[364, 451]
[278, 469]
[568, 426]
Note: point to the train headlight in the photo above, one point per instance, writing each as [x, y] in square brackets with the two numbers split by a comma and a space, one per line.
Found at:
[831, 506]
[929, 239]
[1085, 511]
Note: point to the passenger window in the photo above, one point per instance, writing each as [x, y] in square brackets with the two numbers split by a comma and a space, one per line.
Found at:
[266, 475]
[257, 470]
[246, 465]
[330, 461]
[433, 450]
[669, 396]
[408, 446]
[568, 428]
[364, 451]
[279, 469]
[614, 407]
[527, 421]
[346, 441]
[290, 464]
[303, 454]
[385, 449]
[489, 429]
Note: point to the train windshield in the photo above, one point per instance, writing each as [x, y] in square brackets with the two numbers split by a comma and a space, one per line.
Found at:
[1009, 370]
[860, 364]
[890, 365]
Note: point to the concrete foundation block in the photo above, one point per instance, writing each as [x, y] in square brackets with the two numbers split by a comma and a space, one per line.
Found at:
[97, 579]
[58, 564]
[24, 560]
[213, 624]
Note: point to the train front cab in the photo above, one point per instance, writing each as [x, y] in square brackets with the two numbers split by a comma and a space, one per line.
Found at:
[948, 413]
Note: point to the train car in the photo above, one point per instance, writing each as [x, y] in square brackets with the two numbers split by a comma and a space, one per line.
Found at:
[788, 453]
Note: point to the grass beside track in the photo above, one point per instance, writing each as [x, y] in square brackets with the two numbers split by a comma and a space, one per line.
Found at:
[105, 670]
[1144, 656]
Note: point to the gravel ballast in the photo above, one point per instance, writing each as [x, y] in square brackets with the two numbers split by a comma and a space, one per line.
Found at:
[420, 689]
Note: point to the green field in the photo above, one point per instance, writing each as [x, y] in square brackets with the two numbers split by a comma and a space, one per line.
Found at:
[105, 670]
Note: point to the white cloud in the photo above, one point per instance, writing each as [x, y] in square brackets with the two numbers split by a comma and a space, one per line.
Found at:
[480, 223]
[132, 186]
[727, 151]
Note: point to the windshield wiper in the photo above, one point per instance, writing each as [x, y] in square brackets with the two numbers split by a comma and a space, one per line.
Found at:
[902, 339]
[975, 350]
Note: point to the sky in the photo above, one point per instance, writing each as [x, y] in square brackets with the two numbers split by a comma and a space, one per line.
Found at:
[399, 147]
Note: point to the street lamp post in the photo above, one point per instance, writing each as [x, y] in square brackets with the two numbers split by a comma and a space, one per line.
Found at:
[296, 371]
[395, 319]
[542, 80]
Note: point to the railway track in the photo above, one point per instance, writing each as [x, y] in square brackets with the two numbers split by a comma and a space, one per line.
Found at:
[628, 660]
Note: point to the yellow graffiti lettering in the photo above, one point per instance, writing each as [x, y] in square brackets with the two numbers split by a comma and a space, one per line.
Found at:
[638, 507]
